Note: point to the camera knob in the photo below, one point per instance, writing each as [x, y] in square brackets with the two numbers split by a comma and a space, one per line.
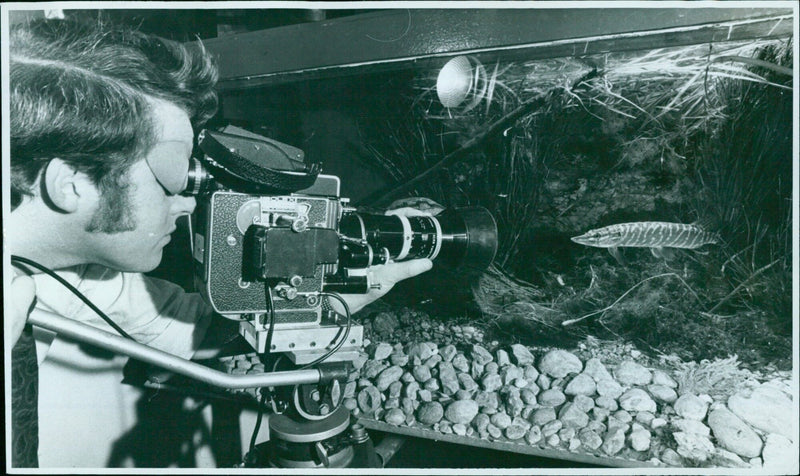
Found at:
[286, 292]
[300, 224]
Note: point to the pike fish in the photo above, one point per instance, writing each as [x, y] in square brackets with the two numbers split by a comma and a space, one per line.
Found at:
[655, 235]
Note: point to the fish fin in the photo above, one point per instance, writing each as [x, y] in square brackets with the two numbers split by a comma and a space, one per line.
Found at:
[711, 227]
[707, 224]
[617, 255]
[663, 253]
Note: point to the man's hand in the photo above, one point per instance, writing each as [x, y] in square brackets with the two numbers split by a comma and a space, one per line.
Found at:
[22, 293]
[387, 275]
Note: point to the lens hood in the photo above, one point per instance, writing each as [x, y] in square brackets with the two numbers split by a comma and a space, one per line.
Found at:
[469, 238]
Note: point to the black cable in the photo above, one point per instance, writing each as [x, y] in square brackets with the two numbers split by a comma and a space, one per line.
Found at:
[18, 259]
[346, 332]
[264, 392]
[271, 311]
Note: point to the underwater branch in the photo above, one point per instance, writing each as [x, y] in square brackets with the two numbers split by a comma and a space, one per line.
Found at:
[611, 306]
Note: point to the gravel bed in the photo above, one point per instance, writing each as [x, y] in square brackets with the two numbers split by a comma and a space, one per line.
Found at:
[592, 400]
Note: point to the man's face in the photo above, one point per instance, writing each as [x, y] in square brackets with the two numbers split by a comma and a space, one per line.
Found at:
[153, 208]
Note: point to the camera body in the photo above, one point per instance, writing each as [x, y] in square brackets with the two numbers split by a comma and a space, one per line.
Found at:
[248, 245]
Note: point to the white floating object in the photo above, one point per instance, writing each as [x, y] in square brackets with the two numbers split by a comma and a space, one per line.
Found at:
[454, 82]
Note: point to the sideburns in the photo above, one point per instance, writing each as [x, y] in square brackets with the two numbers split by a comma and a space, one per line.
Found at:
[114, 215]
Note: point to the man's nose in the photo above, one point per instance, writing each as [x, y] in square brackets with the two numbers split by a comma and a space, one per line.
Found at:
[184, 205]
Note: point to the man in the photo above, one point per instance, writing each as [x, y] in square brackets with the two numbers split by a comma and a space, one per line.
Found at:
[102, 127]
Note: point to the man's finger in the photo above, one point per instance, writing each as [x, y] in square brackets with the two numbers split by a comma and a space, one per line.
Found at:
[414, 267]
[392, 273]
[386, 275]
[407, 212]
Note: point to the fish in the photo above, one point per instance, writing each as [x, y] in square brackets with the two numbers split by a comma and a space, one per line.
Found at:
[655, 235]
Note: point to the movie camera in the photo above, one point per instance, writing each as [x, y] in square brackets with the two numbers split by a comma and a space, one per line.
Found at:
[275, 244]
[273, 239]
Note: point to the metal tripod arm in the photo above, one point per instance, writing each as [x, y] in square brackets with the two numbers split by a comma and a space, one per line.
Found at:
[91, 335]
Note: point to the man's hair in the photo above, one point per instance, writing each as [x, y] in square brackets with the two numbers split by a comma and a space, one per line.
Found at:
[82, 92]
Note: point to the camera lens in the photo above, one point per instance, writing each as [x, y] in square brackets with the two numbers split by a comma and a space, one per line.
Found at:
[465, 237]
[400, 237]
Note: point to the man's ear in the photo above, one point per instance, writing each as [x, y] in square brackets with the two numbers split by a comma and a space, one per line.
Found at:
[64, 185]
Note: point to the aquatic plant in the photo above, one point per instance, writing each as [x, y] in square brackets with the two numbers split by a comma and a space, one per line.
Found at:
[719, 378]
[747, 194]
